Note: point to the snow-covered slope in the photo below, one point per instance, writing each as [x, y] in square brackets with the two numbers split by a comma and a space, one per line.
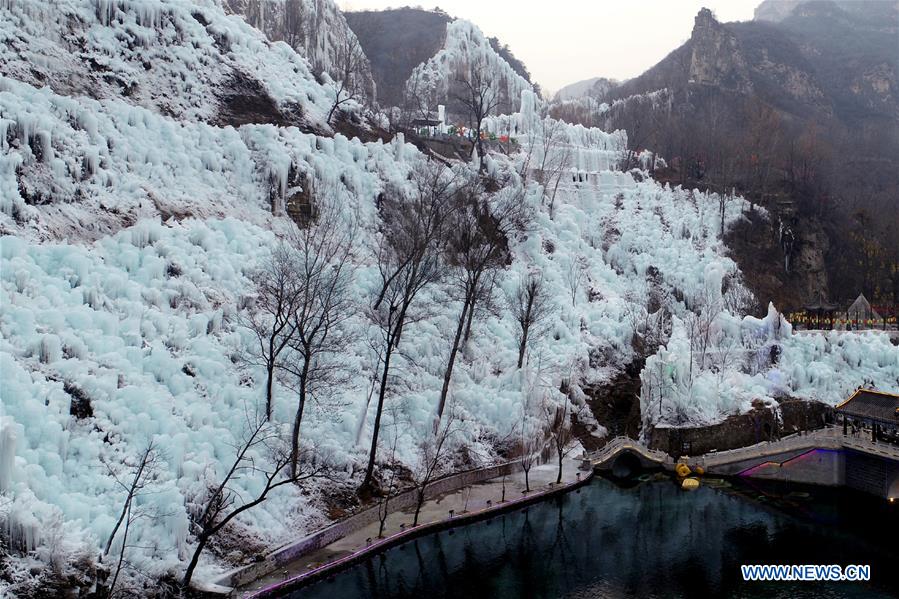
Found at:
[181, 58]
[748, 360]
[130, 232]
[436, 81]
[316, 29]
[142, 320]
[79, 168]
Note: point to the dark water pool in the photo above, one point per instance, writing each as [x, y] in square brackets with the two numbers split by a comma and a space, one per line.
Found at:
[649, 540]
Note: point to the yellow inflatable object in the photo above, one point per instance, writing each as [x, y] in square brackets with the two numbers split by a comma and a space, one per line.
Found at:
[682, 470]
[689, 484]
[699, 470]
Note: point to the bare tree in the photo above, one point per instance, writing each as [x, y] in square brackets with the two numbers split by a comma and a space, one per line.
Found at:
[409, 259]
[323, 272]
[653, 389]
[221, 503]
[415, 101]
[558, 421]
[477, 249]
[294, 24]
[725, 198]
[738, 299]
[529, 448]
[701, 328]
[479, 95]
[762, 146]
[269, 317]
[433, 453]
[142, 473]
[555, 156]
[530, 307]
[349, 68]
[391, 487]
[575, 275]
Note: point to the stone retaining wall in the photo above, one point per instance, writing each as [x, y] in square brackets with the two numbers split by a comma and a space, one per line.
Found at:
[742, 430]
[297, 549]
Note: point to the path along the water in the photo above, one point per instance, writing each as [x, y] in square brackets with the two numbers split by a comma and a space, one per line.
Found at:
[472, 498]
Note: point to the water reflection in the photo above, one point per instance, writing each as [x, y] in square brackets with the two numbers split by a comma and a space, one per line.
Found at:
[650, 540]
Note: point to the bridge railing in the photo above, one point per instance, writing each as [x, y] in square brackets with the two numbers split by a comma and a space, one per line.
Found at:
[829, 438]
[824, 438]
[621, 443]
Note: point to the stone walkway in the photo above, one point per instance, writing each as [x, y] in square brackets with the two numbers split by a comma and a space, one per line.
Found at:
[471, 498]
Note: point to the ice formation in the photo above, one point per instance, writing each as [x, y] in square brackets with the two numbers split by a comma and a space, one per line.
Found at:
[130, 224]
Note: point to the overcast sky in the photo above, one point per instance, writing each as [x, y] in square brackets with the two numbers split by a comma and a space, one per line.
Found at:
[563, 41]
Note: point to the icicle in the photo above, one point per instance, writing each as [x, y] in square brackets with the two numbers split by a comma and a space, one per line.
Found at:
[104, 10]
[7, 453]
[399, 143]
[4, 128]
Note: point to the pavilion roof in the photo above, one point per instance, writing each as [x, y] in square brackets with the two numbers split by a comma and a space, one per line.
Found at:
[871, 404]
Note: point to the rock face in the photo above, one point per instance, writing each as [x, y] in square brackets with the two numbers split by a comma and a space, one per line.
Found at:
[760, 424]
[717, 58]
[850, 45]
[810, 263]
[753, 59]
[807, 59]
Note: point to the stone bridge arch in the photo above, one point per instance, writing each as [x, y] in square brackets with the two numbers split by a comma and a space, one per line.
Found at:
[626, 464]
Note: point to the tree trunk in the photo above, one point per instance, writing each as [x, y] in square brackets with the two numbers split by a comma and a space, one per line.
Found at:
[527, 482]
[298, 420]
[118, 568]
[270, 381]
[115, 530]
[480, 146]
[468, 322]
[202, 540]
[524, 343]
[369, 470]
[383, 516]
[559, 477]
[419, 503]
[447, 375]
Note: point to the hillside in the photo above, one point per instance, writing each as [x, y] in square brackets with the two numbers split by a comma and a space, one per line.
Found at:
[138, 230]
[436, 49]
[420, 33]
[316, 29]
[595, 87]
[182, 59]
[465, 53]
[737, 104]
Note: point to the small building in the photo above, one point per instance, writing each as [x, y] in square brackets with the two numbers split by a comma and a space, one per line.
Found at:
[431, 124]
[861, 315]
[875, 410]
[820, 315]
